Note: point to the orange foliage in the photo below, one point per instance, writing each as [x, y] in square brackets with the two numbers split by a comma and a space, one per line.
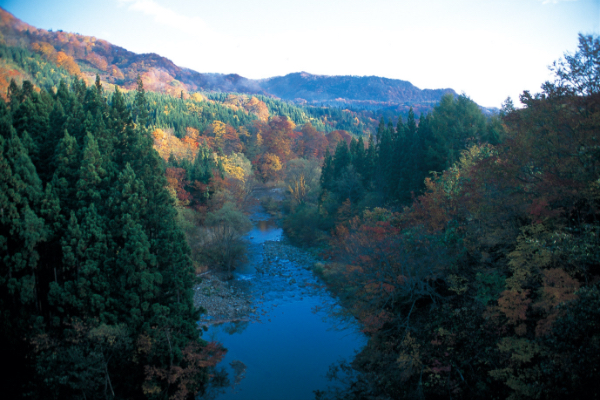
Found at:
[116, 72]
[159, 80]
[5, 77]
[514, 305]
[258, 108]
[225, 137]
[68, 63]
[176, 181]
[334, 137]
[97, 61]
[45, 49]
[276, 137]
[184, 378]
[252, 105]
[166, 144]
[311, 143]
[558, 287]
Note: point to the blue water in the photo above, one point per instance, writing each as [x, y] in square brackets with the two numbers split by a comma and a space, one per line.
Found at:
[288, 345]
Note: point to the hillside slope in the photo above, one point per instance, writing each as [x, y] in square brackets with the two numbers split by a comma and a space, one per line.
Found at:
[323, 88]
[88, 56]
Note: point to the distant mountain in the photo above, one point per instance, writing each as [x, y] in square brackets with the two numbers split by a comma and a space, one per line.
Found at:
[322, 88]
[88, 56]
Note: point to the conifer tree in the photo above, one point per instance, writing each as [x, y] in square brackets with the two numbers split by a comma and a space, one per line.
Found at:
[370, 162]
[341, 159]
[327, 172]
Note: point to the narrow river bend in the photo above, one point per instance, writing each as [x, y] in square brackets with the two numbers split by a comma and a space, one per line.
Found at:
[285, 349]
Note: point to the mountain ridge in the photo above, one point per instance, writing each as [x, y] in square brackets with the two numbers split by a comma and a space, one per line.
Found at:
[89, 56]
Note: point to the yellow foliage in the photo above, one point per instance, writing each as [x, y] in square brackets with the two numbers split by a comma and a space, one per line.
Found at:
[529, 257]
[194, 108]
[218, 129]
[166, 144]
[197, 97]
[409, 358]
[252, 105]
[519, 376]
[298, 190]
[458, 284]
[236, 166]
[273, 161]
[116, 72]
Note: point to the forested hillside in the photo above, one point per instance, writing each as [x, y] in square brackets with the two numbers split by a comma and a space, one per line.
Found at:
[96, 286]
[356, 90]
[465, 244]
[486, 285]
[86, 55]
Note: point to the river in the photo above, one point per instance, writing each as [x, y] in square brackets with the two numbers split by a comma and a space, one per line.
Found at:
[285, 349]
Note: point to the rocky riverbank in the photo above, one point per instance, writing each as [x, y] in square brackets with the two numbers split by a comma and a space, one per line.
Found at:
[223, 300]
[285, 265]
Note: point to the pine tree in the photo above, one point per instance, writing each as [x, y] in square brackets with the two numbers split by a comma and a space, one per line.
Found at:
[370, 163]
[90, 173]
[327, 172]
[341, 159]
[385, 168]
[66, 173]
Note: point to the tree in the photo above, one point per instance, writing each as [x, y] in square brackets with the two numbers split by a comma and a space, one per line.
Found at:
[455, 122]
[577, 74]
[226, 229]
[95, 250]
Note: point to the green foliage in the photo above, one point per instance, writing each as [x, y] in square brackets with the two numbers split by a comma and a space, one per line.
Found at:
[46, 75]
[487, 285]
[574, 348]
[303, 226]
[96, 277]
[224, 244]
[455, 123]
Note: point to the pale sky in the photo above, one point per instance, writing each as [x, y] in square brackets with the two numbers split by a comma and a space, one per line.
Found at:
[488, 49]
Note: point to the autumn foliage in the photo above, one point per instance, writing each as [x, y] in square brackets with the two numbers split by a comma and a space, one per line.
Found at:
[479, 288]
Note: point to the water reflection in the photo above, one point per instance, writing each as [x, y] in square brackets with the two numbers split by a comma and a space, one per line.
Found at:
[265, 226]
[235, 327]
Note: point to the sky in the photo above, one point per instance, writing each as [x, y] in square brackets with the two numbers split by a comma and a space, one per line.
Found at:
[486, 49]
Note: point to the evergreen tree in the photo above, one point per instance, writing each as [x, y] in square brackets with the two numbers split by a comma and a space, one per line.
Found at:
[370, 163]
[95, 261]
[386, 163]
[341, 159]
[327, 172]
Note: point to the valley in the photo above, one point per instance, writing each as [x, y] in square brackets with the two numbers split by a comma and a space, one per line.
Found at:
[170, 234]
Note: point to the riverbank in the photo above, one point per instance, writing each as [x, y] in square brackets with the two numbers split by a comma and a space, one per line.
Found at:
[232, 300]
[223, 300]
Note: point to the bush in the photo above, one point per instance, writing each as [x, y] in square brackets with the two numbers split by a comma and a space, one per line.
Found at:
[302, 226]
[224, 243]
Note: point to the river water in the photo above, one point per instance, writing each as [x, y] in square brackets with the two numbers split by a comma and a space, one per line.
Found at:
[284, 351]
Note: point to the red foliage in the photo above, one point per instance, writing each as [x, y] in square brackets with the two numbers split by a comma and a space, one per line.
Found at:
[176, 180]
[310, 143]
